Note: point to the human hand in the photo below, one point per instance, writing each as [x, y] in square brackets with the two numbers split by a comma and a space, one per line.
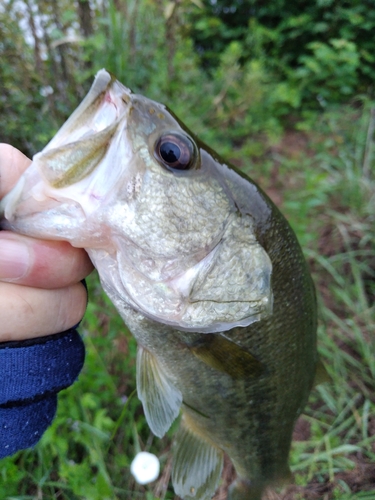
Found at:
[40, 294]
[40, 289]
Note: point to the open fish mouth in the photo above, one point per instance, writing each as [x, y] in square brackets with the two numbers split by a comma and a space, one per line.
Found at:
[68, 180]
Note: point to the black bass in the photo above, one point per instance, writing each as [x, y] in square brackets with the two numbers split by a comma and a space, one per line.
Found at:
[203, 268]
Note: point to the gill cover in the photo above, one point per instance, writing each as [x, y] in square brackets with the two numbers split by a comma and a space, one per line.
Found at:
[229, 287]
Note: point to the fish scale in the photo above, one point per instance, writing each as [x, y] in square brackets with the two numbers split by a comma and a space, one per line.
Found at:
[204, 270]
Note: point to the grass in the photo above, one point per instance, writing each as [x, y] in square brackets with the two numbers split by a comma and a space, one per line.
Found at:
[334, 454]
[324, 181]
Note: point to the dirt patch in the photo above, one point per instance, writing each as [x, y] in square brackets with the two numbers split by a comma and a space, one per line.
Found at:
[302, 430]
[293, 145]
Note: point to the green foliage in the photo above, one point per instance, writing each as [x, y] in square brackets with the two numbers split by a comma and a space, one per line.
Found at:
[118, 41]
[330, 203]
[246, 80]
[20, 99]
[324, 47]
[330, 71]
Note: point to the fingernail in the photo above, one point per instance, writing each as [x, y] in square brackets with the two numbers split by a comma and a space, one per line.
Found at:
[14, 259]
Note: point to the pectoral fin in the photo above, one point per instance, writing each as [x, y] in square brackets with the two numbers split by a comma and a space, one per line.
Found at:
[160, 398]
[197, 466]
[222, 354]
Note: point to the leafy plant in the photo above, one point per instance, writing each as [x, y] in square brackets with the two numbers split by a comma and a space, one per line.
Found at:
[246, 81]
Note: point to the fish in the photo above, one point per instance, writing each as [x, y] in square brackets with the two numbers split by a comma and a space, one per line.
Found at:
[204, 270]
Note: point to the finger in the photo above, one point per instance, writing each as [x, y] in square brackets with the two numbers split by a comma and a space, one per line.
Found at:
[12, 165]
[41, 264]
[34, 312]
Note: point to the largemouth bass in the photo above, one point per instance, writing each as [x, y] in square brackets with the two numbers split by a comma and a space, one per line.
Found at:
[204, 270]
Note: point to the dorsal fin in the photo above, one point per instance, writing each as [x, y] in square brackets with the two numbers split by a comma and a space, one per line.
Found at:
[160, 398]
[197, 465]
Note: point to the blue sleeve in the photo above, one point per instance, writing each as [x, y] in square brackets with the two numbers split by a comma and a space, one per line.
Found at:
[32, 372]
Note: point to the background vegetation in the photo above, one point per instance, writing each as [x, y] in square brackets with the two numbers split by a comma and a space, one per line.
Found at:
[284, 90]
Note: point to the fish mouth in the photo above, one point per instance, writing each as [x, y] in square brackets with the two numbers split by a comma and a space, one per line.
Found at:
[66, 182]
[105, 103]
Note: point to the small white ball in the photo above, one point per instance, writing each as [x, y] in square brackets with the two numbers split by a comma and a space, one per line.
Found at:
[145, 467]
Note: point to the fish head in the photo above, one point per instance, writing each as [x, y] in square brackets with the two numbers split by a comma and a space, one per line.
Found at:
[124, 179]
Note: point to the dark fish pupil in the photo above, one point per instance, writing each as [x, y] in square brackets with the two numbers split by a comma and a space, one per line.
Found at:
[170, 152]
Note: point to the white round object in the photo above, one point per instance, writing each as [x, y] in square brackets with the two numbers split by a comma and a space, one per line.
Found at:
[145, 467]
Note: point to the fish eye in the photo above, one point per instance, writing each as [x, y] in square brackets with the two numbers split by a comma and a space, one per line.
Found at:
[175, 151]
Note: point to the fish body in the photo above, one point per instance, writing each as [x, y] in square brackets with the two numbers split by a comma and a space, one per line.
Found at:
[203, 268]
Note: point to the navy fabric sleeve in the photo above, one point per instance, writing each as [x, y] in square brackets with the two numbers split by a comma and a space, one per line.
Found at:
[32, 373]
